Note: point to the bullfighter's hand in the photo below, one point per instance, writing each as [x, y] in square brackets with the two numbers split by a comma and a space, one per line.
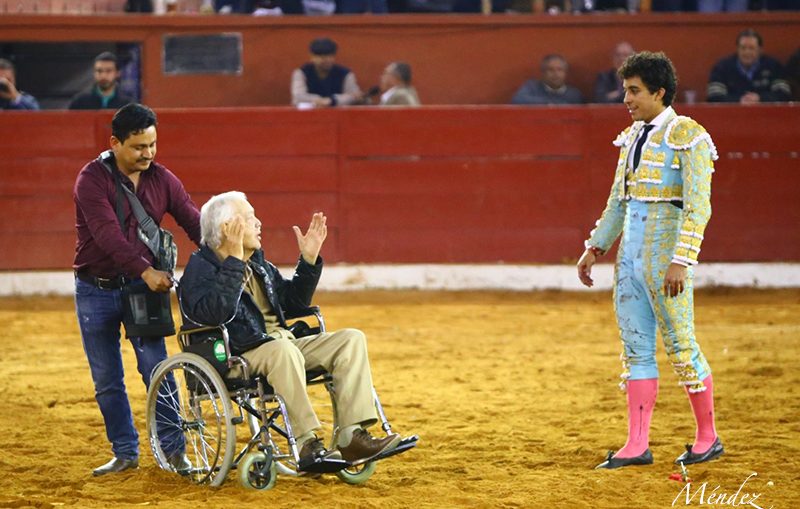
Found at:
[674, 280]
[585, 268]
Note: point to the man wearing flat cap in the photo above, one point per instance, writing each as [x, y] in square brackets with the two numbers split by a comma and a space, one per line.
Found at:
[322, 82]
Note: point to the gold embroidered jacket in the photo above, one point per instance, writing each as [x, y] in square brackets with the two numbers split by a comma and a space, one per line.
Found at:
[676, 166]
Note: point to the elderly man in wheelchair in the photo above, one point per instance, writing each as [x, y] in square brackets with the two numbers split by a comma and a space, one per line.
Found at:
[238, 347]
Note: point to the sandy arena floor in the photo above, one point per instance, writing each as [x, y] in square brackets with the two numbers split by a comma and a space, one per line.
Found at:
[513, 394]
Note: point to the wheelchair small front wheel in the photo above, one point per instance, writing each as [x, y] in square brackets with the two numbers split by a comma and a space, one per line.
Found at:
[357, 474]
[257, 471]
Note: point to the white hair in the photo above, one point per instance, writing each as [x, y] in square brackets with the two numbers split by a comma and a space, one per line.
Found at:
[216, 211]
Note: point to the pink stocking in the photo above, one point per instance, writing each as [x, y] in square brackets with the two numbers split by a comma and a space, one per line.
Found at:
[703, 408]
[641, 401]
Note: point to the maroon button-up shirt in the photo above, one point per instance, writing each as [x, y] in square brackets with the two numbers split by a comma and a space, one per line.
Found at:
[103, 249]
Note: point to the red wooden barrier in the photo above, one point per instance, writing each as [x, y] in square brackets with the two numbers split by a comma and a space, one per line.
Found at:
[442, 185]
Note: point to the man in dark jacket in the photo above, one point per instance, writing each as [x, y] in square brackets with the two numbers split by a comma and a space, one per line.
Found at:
[608, 84]
[229, 281]
[552, 88]
[105, 92]
[749, 76]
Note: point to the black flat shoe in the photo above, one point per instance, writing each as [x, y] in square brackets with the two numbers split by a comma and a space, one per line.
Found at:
[689, 458]
[646, 458]
[116, 465]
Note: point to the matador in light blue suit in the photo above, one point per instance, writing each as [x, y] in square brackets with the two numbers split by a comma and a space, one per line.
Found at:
[660, 203]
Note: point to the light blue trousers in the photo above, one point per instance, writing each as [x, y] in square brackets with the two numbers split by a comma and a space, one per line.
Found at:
[648, 241]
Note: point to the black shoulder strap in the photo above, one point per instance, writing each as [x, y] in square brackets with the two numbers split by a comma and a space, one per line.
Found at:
[146, 223]
[120, 213]
[105, 159]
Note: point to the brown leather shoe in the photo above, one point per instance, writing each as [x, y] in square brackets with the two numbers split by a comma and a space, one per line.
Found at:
[314, 449]
[363, 447]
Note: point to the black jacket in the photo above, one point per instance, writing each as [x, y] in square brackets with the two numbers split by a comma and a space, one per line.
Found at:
[728, 84]
[212, 291]
[91, 100]
[330, 86]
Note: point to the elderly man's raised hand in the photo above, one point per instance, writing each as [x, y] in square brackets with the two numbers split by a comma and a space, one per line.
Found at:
[233, 237]
[311, 243]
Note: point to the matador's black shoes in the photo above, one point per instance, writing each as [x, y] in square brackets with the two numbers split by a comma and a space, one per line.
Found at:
[689, 458]
[646, 458]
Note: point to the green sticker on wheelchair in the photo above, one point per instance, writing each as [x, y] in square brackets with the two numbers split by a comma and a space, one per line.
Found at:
[219, 350]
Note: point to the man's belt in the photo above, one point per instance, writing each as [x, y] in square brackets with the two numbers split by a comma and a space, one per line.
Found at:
[113, 283]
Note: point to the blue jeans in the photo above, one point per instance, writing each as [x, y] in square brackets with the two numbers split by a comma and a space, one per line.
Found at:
[99, 318]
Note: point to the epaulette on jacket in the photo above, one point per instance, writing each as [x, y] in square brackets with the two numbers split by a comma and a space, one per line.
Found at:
[683, 133]
[624, 138]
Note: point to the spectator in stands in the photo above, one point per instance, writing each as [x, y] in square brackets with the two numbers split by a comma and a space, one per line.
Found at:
[722, 5]
[10, 97]
[748, 77]
[396, 86]
[778, 5]
[138, 6]
[608, 85]
[674, 5]
[362, 6]
[552, 89]
[576, 6]
[793, 74]
[614, 5]
[322, 82]
[497, 6]
[105, 93]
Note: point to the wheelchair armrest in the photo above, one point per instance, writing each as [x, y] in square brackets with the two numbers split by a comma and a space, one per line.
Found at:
[306, 312]
[191, 329]
[300, 313]
[187, 331]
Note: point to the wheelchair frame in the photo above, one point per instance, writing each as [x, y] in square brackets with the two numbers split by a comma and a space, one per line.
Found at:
[189, 398]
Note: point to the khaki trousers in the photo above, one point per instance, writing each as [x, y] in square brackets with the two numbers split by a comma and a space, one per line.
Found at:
[343, 354]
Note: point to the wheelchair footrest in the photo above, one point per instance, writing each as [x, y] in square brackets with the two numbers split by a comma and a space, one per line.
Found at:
[404, 445]
[322, 466]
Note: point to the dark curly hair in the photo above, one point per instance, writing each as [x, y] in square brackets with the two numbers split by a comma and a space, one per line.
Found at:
[655, 70]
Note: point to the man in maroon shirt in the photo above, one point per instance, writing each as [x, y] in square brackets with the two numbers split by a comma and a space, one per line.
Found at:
[108, 256]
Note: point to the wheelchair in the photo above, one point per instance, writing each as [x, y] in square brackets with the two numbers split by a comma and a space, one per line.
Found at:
[193, 409]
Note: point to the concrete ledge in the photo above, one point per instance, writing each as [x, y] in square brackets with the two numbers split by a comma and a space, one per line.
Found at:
[459, 277]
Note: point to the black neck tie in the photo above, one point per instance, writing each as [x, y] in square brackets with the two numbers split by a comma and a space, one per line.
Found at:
[637, 153]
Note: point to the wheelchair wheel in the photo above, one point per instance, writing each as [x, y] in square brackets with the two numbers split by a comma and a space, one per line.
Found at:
[257, 471]
[189, 409]
[357, 474]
